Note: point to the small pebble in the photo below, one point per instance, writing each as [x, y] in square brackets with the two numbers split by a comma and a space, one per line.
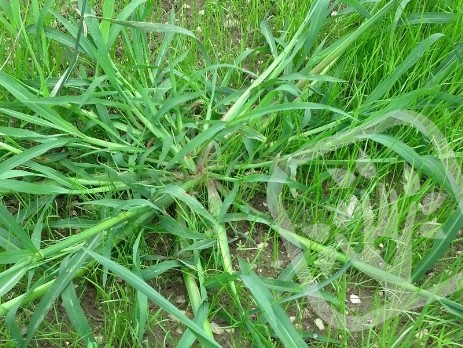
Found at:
[319, 324]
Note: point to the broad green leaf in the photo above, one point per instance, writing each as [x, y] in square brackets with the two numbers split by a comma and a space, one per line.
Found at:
[8, 241]
[7, 185]
[20, 133]
[453, 307]
[14, 256]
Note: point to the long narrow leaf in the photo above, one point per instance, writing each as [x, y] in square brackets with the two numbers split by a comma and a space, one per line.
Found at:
[154, 296]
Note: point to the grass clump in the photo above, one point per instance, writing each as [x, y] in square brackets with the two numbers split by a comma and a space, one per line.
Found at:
[225, 196]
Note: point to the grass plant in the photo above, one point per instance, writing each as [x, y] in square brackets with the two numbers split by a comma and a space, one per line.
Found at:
[258, 173]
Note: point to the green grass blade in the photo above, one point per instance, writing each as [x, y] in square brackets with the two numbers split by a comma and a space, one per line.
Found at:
[168, 224]
[108, 11]
[7, 186]
[267, 32]
[450, 229]
[13, 256]
[148, 26]
[141, 300]
[357, 6]
[319, 13]
[12, 226]
[331, 54]
[12, 326]
[46, 112]
[10, 277]
[188, 337]
[257, 114]
[384, 86]
[68, 270]
[174, 102]
[453, 307]
[432, 168]
[8, 241]
[428, 18]
[274, 314]
[196, 143]
[447, 66]
[125, 13]
[77, 316]
[134, 281]
[158, 269]
[31, 153]
[193, 203]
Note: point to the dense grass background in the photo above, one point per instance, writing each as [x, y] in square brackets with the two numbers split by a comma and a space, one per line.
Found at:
[148, 148]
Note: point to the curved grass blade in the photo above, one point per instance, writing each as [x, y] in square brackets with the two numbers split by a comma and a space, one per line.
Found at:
[46, 112]
[450, 229]
[168, 224]
[10, 223]
[430, 166]
[140, 285]
[36, 151]
[200, 318]
[12, 326]
[196, 143]
[267, 32]
[77, 316]
[141, 300]
[384, 86]
[276, 317]
[285, 107]
[125, 13]
[10, 277]
[69, 267]
[319, 13]
[156, 270]
[148, 26]
[428, 18]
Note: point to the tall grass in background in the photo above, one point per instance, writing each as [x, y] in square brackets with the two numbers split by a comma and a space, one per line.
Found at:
[115, 128]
